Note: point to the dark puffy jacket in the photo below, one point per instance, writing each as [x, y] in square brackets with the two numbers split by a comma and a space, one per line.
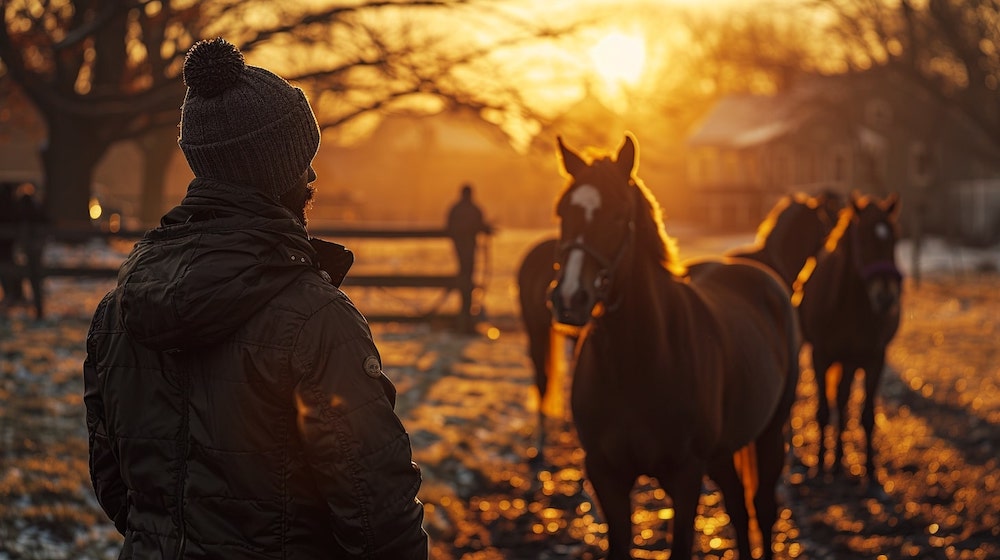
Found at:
[235, 400]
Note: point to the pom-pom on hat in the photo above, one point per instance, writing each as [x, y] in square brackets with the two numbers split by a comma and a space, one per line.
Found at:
[242, 124]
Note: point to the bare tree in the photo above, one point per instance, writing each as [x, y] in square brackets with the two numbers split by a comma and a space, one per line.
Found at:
[950, 48]
[102, 71]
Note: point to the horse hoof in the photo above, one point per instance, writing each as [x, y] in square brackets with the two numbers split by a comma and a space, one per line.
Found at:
[536, 461]
[876, 491]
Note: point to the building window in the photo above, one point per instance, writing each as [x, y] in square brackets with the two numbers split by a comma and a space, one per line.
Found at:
[878, 113]
[731, 172]
[782, 169]
[839, 167]
[840, 164]
[809, 171]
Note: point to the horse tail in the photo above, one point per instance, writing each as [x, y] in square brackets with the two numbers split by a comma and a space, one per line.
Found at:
[553, 401]
[745, 463]
[834, 375]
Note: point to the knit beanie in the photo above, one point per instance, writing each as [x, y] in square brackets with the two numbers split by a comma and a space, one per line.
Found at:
[242, 124]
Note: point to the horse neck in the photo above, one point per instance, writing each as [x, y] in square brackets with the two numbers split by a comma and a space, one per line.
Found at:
[645, 277]
[777, 256]
[786, 253]
[644, 288]
[847, 276]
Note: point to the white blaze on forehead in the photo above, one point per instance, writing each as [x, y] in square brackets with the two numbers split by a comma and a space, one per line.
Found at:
[588, 198]
[882, 231]
[571, 274]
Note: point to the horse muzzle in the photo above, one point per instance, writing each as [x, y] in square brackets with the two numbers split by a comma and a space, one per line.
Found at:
[574, 309]
[884, 294]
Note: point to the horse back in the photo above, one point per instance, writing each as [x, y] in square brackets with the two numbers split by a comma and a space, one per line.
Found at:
[750, 308]
[533, 278]
[536, 270]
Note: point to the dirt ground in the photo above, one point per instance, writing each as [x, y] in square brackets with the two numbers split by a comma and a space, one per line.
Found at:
[469, 405]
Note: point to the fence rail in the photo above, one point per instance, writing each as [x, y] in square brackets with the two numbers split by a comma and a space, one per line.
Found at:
[39, 234]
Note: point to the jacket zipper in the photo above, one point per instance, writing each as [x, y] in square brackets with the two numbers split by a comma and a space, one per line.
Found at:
[183, 448]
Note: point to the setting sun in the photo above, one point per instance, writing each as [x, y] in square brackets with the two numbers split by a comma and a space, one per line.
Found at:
[619, 58]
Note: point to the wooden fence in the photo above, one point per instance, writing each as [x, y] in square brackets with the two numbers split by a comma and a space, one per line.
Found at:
[38, 235]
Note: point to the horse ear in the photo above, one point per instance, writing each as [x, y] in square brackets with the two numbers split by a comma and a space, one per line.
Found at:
[571, 163]
[855, 199]
[628, 155]
[811, 202]
[892, 204]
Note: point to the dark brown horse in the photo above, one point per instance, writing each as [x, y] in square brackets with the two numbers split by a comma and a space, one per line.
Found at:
[545, 341]
[679, 372]
[850, 311]
[794, 231]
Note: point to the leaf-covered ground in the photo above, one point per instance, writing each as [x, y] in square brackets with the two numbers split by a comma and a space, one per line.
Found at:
[469, 405]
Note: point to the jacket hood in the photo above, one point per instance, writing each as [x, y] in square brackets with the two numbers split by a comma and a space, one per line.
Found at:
[213, 262]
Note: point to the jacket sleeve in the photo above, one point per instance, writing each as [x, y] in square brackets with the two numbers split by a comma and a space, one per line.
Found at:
[104, 473]
[358, 449]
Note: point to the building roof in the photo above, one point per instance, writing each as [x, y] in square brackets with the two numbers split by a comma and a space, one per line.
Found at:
[742, 121]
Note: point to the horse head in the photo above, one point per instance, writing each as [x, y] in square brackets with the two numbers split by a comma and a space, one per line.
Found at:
[794, 232]
[873, 232]
[597, 215]
[828, 204]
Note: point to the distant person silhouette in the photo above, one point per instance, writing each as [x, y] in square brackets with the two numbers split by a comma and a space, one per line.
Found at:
[465, 223]
[30, 216]
[20, 213]
[10, 280]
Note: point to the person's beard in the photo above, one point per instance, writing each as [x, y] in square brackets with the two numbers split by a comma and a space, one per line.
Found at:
[299, 201]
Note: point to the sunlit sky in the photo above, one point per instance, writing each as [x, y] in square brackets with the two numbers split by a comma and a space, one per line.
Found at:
[619, 57]
[624, 50]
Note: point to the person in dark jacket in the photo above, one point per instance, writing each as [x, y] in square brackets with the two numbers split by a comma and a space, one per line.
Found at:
[235, 399]
[10, 280]
[464, 223]
[21, 216]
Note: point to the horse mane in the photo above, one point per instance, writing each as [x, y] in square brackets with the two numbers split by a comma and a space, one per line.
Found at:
[844, 221]
[771, 220]
[770, 223]
[839, 230]
[651, 231]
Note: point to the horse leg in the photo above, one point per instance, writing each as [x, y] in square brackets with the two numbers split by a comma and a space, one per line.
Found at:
[541, 383]
[873, 377]
[538, 458]
[770, 465]
[683, 484]
[724, 474]
[613, 492]
[821, 367]
[538, 349]
[844, 385]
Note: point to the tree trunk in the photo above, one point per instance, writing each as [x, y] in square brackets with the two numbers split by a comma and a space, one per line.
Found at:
[158, 148]
[68, 159]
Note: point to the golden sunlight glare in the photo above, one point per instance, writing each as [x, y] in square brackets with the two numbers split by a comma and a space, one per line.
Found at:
[95, 209]
[619, 57]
